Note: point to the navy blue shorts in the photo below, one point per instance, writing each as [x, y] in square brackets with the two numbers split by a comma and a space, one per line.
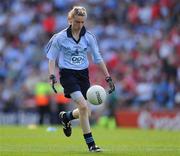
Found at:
[74, 80]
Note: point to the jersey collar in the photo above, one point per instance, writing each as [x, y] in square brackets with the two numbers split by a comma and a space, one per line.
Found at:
[82, 33]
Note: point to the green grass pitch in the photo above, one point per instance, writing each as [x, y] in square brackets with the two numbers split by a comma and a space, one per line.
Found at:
[21, 141]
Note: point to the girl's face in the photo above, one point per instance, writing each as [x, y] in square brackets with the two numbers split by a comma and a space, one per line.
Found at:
[78, 22]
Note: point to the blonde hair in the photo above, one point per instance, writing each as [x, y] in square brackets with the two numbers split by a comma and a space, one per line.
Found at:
[77, 10]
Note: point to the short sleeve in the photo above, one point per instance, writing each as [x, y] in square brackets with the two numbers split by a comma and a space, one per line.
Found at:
[96, 56]
[53, 48]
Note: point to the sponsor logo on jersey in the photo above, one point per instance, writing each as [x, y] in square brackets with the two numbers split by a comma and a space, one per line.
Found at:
[77, 60]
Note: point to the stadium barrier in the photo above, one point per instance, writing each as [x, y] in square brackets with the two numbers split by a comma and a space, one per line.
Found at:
[144, 119]
[20, 118]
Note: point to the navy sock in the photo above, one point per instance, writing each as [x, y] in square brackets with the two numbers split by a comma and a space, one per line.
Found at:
[89, 139]
[69, 116]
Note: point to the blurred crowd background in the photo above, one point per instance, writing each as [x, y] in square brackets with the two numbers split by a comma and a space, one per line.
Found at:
[139, 40]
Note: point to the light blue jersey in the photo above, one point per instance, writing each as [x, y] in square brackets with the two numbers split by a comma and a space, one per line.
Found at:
[72, 54]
